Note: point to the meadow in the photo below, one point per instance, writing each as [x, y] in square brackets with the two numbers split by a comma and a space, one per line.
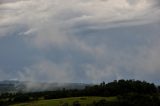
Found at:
[84, 101]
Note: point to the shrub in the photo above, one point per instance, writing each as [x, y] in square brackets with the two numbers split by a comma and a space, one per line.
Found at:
[76, 103]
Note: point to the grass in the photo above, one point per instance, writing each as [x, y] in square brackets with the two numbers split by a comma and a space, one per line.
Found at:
[58, 102]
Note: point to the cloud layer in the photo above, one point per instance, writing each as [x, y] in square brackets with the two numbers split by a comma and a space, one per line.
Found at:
[80, 40]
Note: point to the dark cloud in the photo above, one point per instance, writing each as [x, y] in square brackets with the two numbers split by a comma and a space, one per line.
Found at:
[8, 1]
[133, 2]
[89, 41]
[156, 4]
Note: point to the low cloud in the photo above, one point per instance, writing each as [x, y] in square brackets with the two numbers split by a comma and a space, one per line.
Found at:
[4, 76]
[47, 71]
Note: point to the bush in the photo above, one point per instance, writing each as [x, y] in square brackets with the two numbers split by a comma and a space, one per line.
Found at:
[65, 104]
[138, 100]
[76, 103]
[21, 98]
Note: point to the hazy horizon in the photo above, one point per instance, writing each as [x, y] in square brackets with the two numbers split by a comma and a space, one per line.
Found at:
[84, 41]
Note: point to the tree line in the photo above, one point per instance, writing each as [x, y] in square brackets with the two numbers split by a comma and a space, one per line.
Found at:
[129, 92]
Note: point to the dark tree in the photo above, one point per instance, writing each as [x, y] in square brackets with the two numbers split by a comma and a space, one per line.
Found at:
[76, 103]
[21, 98]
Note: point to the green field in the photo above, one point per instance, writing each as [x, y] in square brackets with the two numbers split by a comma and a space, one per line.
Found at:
[59, 102]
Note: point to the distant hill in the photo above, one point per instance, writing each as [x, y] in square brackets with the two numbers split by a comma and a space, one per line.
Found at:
[27, 86]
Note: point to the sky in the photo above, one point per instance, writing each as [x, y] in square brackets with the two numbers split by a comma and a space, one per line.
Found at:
[86, 41]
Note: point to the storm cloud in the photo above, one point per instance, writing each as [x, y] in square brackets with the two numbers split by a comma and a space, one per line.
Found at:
[79, 40]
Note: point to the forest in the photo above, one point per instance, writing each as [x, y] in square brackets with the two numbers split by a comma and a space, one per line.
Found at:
[126, 92]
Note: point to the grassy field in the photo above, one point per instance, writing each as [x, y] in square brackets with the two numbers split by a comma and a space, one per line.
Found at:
[58, 102]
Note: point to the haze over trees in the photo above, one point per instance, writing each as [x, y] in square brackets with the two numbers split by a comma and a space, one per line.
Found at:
[128, 92]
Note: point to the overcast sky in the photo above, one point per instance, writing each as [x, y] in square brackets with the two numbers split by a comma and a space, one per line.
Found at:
[87, 41]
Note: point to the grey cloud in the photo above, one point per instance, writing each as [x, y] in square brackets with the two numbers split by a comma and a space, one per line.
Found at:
[8, 1]
[78, 39]
[47, 71]
[133, 2]
[156, 3]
